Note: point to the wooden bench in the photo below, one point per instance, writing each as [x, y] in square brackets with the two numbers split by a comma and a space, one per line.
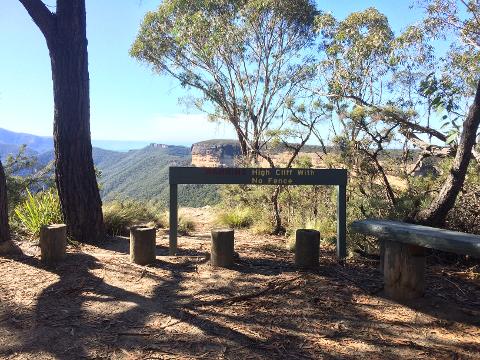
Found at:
[403, 252]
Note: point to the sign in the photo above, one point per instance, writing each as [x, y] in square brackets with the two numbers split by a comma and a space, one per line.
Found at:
[260, 176]
[257, 176]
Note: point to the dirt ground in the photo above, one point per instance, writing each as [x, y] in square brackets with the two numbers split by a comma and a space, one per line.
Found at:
[97, 305]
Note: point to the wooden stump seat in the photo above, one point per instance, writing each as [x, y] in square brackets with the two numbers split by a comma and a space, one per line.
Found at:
[142, 244]
[53, 243]
[307, 248]
[403, 253]
[222, 251]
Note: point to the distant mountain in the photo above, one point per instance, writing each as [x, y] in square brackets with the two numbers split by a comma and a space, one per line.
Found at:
[143, 174]
[42, 144]
[36, 143]
[119, 145]
[139, 174]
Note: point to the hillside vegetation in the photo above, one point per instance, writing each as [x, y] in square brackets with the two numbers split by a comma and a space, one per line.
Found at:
[143, 175]
[137, 174]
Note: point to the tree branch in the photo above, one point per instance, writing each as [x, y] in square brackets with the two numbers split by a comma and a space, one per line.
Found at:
[40, 15]
[395, 117]
[437, 213]
[476, 155]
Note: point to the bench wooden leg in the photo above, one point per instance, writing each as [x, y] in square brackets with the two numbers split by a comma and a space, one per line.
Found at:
[403, 270]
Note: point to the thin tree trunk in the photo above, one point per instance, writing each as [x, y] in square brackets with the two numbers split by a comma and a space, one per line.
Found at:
[279, 229]
[242, 141]
[65, 32]
[4, 228]
[388, 187]
[436, 214]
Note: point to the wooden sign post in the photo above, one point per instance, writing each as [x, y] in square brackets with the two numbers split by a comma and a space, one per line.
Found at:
[260, 176]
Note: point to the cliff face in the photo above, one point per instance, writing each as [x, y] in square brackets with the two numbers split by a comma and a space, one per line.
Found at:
[215, 153]
[225, 153]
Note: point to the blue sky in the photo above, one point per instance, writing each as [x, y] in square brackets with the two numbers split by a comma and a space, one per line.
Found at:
[128, 101]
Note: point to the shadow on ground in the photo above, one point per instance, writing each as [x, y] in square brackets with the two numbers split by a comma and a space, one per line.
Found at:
[185, 308]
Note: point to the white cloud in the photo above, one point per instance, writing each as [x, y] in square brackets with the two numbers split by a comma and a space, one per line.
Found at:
[174, 129]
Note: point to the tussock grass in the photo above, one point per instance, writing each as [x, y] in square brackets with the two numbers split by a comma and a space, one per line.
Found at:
[236, 218]
[185, 225]
[120, 215]
[38, 210]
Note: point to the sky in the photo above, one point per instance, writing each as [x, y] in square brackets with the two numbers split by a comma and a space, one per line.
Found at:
[128, 101]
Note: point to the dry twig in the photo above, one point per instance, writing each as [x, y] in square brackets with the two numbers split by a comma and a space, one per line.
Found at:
[270, 287]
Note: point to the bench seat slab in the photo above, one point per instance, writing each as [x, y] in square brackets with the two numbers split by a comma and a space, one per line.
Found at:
[423, 236]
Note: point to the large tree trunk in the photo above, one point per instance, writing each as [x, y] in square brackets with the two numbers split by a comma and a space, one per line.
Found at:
[436, 214]
[75, 174]
[65, 32]
[4, 228]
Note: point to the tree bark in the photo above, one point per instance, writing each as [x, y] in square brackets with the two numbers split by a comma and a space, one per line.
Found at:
[436, 214]
[222, 248]
[53, 243]
[307, 248]
[4, 228]
[142, 244]
[403, 270]
[65, 33]
[279, 228]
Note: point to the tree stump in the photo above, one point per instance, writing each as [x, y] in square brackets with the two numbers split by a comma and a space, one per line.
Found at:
[222, 253]
[53, 243]
[382, 253]
[307, 248]
[403, 270]
[142, 244]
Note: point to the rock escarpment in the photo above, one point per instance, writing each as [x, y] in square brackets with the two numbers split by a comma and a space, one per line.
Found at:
[227, 153]
[215, 153]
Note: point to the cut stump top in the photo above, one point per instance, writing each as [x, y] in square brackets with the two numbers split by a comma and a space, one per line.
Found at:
[425, 236]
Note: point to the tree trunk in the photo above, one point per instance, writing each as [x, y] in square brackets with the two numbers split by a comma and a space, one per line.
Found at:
[4, 228]
[242, 141]
[65, 33]
[436, 214]
[279, 228]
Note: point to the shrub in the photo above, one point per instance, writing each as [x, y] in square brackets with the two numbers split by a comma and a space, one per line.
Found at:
[120, 215]
[38, 210]
[262, 226]
[465, 216]
[24, 173]
[185, 225]
[239, 217]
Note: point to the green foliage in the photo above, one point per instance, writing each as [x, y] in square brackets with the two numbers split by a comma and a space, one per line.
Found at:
[143, 175]
[465, 216]
[120, 215]
[22, 176]
[185, 225]
[250, 204]
[236, 218]
[137, 174]
[301, 207]
[243, 58]
[457, 20]
[38, 210]
[310, 207]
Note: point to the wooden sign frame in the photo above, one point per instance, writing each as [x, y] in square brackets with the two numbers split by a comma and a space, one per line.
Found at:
[260, 176]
